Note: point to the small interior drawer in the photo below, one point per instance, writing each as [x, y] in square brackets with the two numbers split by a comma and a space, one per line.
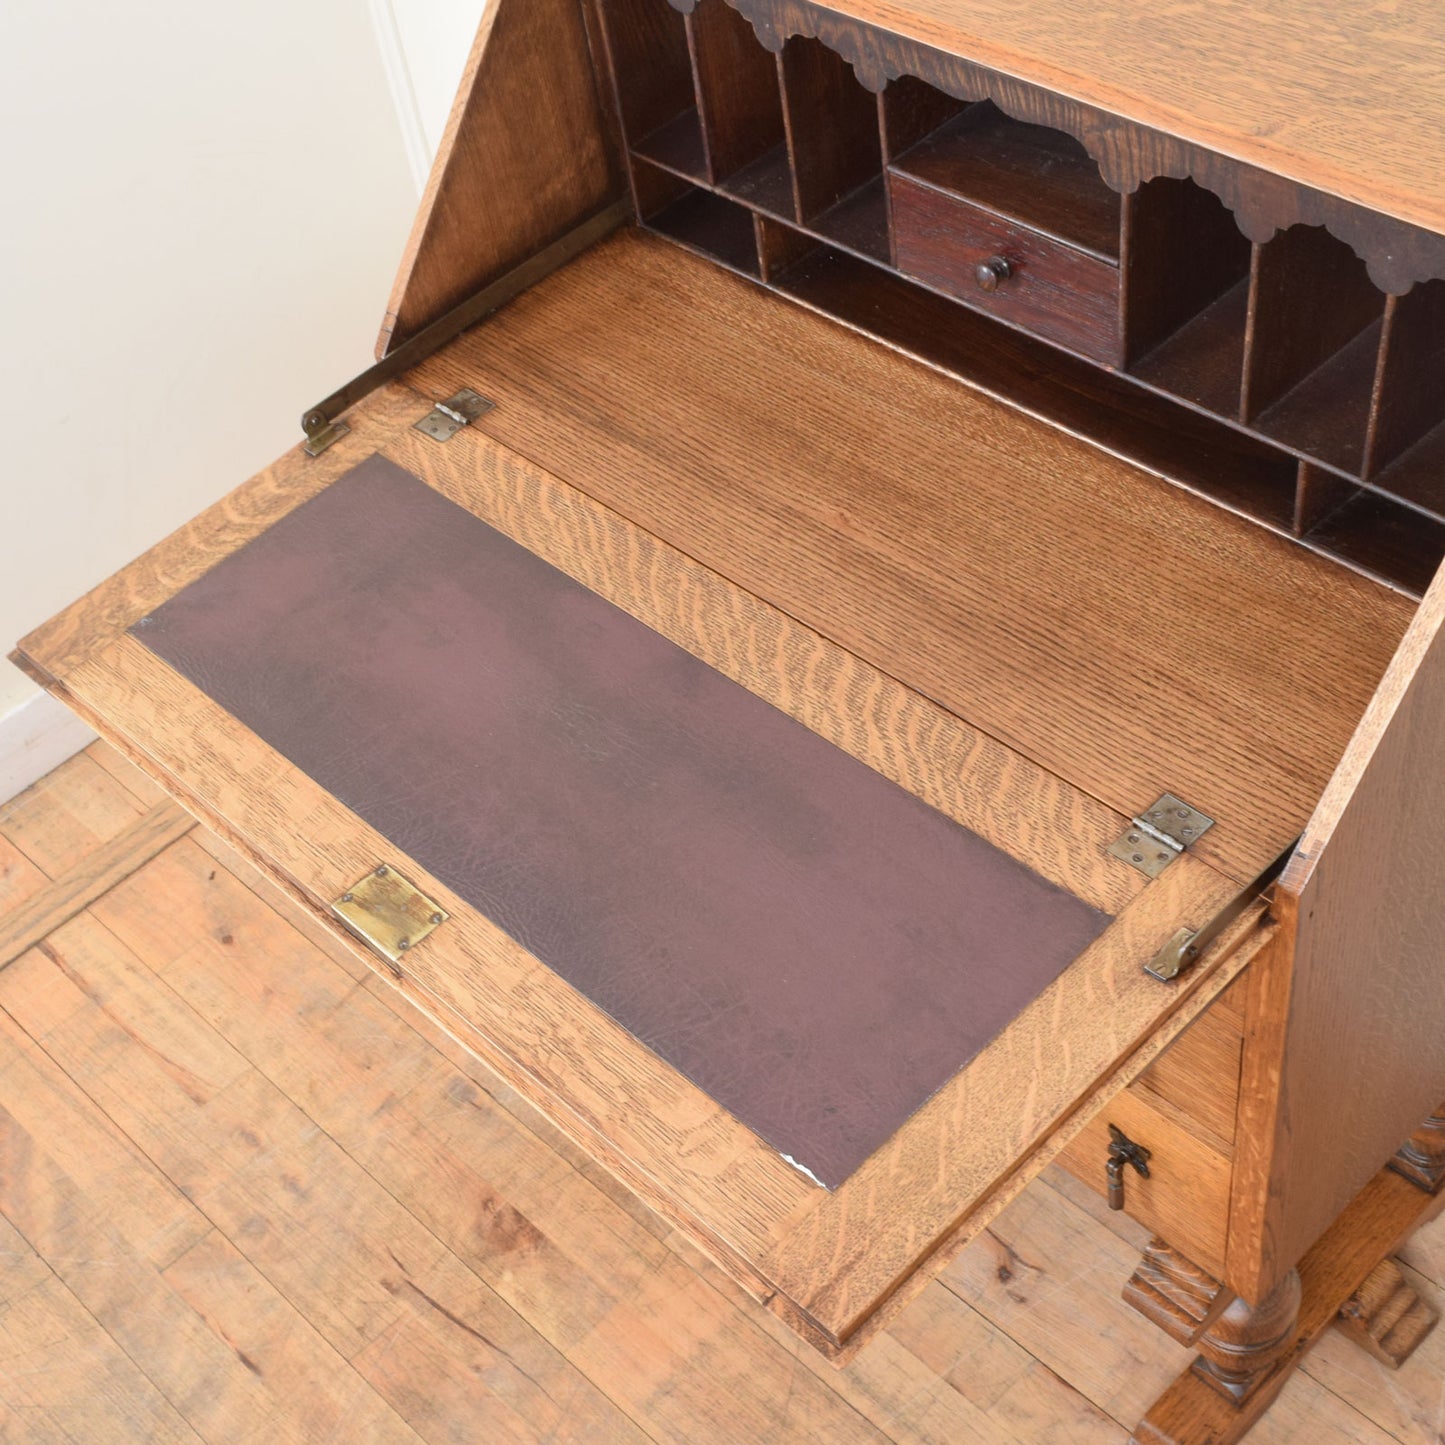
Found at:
[1050, 289]
[1182, 1109]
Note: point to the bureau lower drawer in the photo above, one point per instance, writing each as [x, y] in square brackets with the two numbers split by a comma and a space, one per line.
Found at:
[1185, 1199]
[1052, 289]
[1182, 1109]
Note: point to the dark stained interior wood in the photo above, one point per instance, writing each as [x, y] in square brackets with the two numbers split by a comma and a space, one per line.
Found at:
[1182, 251]
[913, 109]
[1286, 343]
[737, 82]
[1418, 475]
[711, 226]
[1028, 173]
[834, 131]
[1326, 416]
[1203, 361]
[1022, 578]
[1410, 389]
[780, 247]
[647, 43]
[1385, 539]
[1310, 298]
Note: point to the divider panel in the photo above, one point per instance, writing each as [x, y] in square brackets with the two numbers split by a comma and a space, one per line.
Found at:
[738, 90]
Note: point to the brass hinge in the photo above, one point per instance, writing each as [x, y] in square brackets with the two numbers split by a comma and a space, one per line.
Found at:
[1155, 839]
[1188, 944]
[448, 417]
[388, 913]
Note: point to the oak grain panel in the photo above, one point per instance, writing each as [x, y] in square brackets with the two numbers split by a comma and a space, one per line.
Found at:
[539, 1029]
[1364, 1005]
[978, 556]
[841, 1254]
[1199, 1074]
[694, 1163]
[500, 191]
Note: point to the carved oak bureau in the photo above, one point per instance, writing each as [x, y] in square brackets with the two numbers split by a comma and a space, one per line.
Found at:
[875, 627]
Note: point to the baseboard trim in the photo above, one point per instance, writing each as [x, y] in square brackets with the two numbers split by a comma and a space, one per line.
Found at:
[36, 736]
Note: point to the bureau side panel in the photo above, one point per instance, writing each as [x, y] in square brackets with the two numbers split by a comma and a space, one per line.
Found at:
[527, 155]
[1350, 1034]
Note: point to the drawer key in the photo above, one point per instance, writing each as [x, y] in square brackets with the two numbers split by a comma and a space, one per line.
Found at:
[1123, 1151]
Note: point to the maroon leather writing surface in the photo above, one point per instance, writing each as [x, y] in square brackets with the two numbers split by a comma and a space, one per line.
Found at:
[812, 945]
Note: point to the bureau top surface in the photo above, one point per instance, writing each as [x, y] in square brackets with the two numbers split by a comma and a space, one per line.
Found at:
[1349, 99]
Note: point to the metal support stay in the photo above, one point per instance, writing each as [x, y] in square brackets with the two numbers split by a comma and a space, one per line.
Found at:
[1188, 944]
[322, 423]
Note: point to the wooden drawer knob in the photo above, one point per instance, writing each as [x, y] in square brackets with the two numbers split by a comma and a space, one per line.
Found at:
[991, 274]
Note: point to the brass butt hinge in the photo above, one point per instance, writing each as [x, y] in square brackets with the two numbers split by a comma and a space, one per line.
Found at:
[1188, 944]
[448, 417]
[388, 914]
[1159, 835]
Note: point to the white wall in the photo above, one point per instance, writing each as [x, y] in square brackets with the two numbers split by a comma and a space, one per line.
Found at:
[425, 44]
[204, 208]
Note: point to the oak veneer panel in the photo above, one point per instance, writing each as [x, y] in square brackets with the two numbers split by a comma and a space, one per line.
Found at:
[1363, 1041]
[812, 945]
[650, 1126]
[988, 562]
[500, 191]
[1199, 1074]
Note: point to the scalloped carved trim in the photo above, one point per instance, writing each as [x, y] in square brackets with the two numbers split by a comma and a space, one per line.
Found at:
[1397, 254]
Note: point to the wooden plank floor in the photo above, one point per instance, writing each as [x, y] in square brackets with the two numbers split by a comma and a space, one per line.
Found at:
[247, 1194]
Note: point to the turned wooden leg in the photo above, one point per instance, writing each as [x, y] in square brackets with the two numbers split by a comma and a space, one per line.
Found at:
[1238, 1350]
[1175, 1293]
[1386, 1317]
[1422, 1158]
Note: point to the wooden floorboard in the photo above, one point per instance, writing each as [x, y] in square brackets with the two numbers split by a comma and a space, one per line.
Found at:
[249, 1193]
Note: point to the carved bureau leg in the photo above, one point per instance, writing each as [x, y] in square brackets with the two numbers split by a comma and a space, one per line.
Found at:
[1422, 1158]
[1386, 1316]
[1246, 1355]
[1239, 1343]
[1240, 1348]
